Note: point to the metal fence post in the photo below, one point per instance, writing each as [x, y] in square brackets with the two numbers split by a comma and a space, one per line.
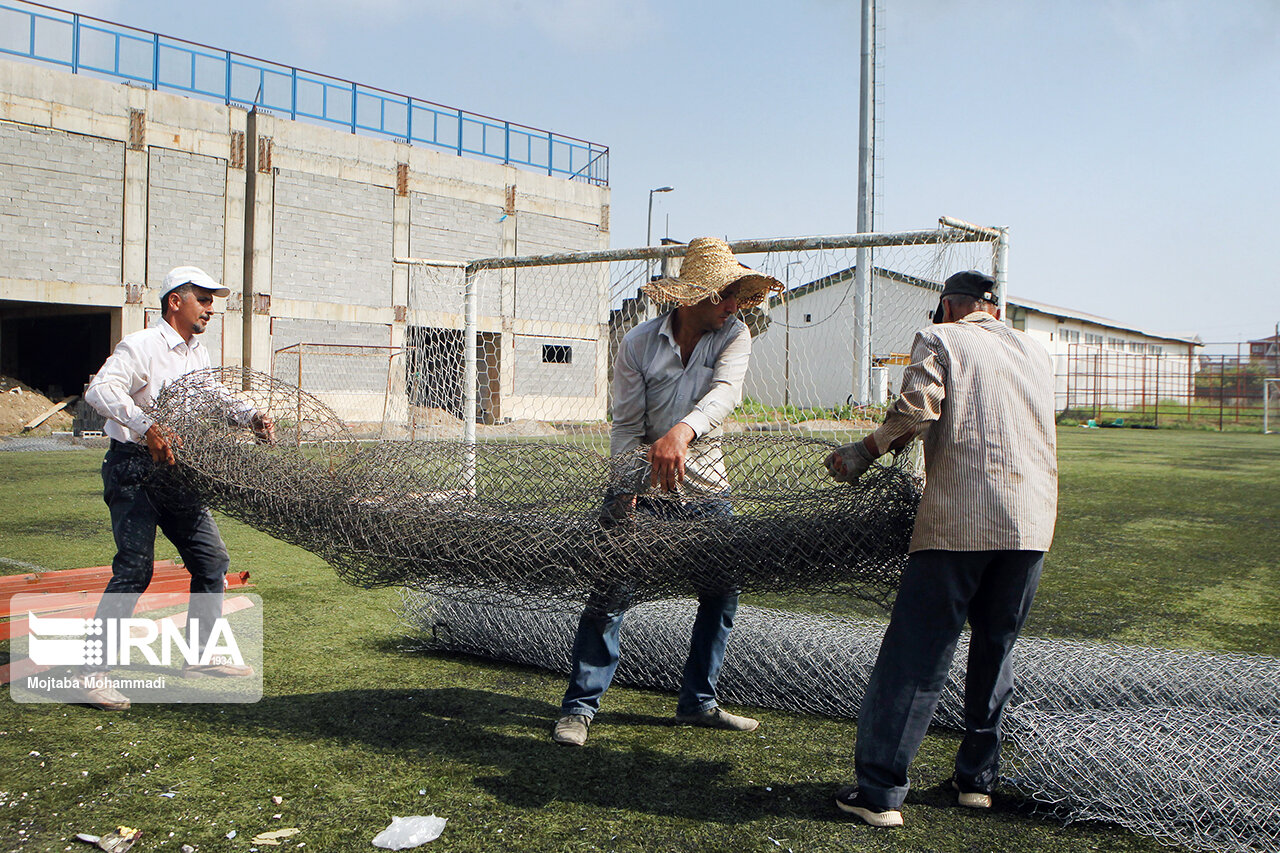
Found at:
[469, 344]
[75, 44]
[155, 61]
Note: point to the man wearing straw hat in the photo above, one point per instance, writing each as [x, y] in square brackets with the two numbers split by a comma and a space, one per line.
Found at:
[676, 378]
[981, 394]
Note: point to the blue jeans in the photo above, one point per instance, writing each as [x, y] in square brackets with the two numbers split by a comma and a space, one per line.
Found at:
[940, 589]
[595, 646]
[135, 514]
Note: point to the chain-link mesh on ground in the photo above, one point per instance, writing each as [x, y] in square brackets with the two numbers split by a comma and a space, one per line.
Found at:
[1180, 746]
[523, 519]
[483, 496]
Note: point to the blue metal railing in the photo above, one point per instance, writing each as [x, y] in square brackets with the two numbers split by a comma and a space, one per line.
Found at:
[90, 45]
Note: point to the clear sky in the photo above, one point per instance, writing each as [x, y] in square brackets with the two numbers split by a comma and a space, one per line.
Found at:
[1132, 147]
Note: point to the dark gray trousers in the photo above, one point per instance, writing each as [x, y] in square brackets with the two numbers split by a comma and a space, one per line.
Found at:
[135, 515]
[939, 591]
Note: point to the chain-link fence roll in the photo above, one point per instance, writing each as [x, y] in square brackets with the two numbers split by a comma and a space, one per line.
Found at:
[522, 519]
[1209, 780]
[1182, 746]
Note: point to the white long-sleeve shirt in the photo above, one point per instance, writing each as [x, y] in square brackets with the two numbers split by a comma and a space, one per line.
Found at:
[142, 364]
[653, 390]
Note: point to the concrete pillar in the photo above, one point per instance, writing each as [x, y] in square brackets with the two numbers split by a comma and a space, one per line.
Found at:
[259, 202]
[133, 261]
[400, 223]
[233, 234]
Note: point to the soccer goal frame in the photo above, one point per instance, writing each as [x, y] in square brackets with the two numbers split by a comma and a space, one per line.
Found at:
[1270, 389]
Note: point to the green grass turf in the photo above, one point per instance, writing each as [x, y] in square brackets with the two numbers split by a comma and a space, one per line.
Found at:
[1164, 538]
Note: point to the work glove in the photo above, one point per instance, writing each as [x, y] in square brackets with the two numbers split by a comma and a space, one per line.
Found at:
[848, 462]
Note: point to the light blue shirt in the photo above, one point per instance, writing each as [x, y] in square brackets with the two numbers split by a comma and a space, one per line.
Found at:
[653, 390]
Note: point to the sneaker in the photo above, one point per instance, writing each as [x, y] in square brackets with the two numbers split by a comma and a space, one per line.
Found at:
[216, 670]
[571, 729]
[971, 799]
[848, 799]
[718, 718]
[94, 690]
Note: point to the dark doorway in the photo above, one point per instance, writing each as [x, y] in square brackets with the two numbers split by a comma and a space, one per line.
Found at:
[433, 367]
[54, 351]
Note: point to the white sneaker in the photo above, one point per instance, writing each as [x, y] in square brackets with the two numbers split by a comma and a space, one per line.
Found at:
[571, 729]
[971, 799]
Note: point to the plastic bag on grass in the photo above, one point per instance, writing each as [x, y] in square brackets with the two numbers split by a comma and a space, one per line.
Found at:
[406, 832]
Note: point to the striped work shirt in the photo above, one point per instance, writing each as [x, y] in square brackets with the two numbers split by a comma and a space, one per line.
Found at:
[653, 390]
[981, 394]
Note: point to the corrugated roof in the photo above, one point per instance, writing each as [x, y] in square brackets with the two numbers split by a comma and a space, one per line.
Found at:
[1029, 304]
[1072, 314]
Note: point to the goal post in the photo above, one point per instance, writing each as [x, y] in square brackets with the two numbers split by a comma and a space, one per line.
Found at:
[523, 347]
[1270, 404]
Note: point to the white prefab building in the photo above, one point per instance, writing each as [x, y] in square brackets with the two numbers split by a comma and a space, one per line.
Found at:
[802, 354]
[1100, 363]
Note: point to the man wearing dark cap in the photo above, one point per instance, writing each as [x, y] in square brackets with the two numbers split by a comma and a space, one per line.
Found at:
[980, 395]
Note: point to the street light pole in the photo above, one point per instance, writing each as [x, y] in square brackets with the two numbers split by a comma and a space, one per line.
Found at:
[648, 234]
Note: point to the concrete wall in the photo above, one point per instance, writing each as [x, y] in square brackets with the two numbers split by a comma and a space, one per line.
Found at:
[113, 185]
[64, 215]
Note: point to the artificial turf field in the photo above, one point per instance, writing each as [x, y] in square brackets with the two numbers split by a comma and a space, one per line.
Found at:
[1164, 538]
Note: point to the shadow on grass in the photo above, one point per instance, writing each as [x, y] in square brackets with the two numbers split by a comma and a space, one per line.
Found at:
[474, 727]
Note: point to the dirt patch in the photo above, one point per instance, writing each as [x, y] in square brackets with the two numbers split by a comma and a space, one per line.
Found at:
[19, 403]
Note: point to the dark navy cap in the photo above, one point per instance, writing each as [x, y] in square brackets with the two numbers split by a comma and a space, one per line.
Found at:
[971, 283]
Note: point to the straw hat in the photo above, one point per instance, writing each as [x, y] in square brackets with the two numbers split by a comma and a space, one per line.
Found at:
[707, 269]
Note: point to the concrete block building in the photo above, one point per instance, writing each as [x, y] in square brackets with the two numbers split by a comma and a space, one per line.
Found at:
[106, 185]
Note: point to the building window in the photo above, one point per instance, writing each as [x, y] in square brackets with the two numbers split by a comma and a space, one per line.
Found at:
[557, 354]
[1137, 346]
[1115, 343]
[1155, 349]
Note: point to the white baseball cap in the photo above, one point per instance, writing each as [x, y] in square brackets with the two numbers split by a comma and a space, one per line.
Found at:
[179, 276]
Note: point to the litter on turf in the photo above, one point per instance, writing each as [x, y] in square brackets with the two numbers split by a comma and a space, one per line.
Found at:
[406, 832]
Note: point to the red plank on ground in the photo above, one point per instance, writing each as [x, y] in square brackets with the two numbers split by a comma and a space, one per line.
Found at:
[11, 584]
[75, 593]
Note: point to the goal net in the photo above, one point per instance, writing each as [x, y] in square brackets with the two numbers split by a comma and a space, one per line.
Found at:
[535, 360]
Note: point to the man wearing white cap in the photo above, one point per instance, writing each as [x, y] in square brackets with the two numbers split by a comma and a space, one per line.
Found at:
[142, 364]
[676, 378]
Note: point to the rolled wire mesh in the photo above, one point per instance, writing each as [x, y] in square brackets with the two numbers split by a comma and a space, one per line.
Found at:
[521, 520]
[1180, 746]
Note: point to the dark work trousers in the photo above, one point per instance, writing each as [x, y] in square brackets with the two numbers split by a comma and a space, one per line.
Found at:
[940, 589]
[135, 514]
